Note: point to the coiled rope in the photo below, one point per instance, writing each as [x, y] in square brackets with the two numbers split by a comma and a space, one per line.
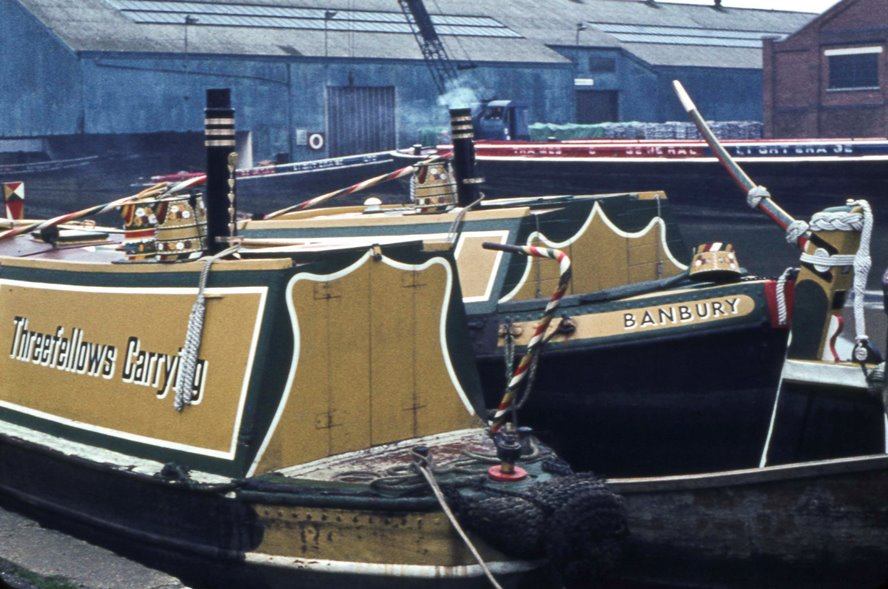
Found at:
[194, 335]
[861, 261]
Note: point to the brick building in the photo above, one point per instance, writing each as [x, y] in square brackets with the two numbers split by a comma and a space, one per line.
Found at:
[830, 79]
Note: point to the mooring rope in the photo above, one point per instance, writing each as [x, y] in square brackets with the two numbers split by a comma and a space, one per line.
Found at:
[194, 335]
[421, 463]
[456, 227]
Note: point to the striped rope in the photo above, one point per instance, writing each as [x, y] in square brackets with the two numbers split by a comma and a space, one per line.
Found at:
[363, 185]
[539, 333]
[160, 190]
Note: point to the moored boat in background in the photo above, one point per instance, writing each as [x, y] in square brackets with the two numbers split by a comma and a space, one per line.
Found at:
[808, 173]
[269, 186]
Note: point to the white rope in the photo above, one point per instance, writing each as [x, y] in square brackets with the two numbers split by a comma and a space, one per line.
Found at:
[422, 465]
[782, 310]
[755, 195]
[862, 265]
[456, 227]
[861, 261]
[840, 220]
[188, 358]
[795, 230]
[821, 258]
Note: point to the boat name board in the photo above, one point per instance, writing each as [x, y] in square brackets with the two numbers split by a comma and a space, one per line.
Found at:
[645, 319]
[75, 354]
[684, 313]
[814, 149]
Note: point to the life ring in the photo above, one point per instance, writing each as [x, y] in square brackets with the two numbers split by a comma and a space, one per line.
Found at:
[316, 141]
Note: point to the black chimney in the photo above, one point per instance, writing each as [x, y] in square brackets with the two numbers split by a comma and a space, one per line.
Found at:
[219, 141]
[463, 137]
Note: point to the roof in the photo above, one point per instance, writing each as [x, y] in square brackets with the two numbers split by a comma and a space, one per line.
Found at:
[661, 33]
[518, 31]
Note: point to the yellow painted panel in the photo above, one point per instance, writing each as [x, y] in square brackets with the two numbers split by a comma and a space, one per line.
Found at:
[348, 363]
[600, 258]
[371, 367]
[476, 264]
[107, 359]
[393, 355]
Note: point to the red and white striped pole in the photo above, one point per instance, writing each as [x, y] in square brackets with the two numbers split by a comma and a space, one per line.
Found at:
[157, 191]
[363, 185]
[539, 333]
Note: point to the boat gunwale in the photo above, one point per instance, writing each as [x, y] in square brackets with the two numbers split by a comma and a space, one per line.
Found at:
[192, 266]
[751, 476]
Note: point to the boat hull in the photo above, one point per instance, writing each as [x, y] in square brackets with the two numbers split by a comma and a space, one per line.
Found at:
[703, 401]
[808, 175]
[816, 524]
[804, 186]
[220, 536]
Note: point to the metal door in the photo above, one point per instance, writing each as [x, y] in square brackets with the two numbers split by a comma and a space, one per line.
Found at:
[597, 106]
[361, 119]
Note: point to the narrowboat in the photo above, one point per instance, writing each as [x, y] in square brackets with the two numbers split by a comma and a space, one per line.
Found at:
[799, 525]
[683, 344]
[807, 173]
[248, 420]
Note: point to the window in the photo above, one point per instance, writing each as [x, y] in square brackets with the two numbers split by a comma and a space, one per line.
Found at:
[602, 64]
[853, 68]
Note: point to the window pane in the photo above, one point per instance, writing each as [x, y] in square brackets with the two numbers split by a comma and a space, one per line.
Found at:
[602, 64]
[854, 71]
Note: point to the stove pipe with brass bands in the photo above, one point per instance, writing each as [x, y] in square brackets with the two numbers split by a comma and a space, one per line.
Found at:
[221, 162]
[463, 138]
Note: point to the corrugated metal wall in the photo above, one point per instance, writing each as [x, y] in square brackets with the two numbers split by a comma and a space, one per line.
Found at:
[360, 119]
[370, 104]
[40, 81]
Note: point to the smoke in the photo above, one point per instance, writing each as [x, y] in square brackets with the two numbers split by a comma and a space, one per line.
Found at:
[459, 97]
[463, 92]
[428, 123]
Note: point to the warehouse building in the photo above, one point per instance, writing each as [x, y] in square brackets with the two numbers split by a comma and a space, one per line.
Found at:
[311, 79]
